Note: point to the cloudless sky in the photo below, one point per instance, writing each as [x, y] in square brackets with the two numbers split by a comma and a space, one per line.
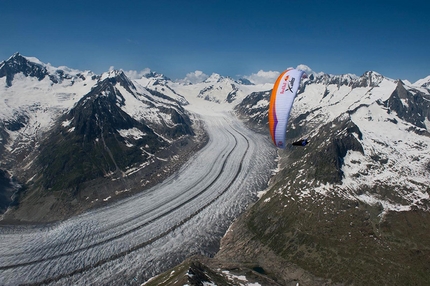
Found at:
[232, 38]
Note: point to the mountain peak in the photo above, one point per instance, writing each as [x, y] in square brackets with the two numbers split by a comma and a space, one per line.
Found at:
[306, 69]
[214, 77]
[155, 75]
[111, 74]
[18, 58]
[368, 79]
[425, 82]
[117, 76]
[15, 55]
[20, 64]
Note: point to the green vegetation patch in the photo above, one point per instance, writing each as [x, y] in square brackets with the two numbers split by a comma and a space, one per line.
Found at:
[345, 241]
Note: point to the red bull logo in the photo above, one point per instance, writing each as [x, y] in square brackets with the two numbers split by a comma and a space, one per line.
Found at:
[287, 85]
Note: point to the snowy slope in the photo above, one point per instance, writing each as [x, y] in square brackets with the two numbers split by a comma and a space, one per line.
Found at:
[60, 127]
[39, 102]
[425, 82]
[33, 96]
[31, 102]
[400, 141]
[153, 107]
[216, 88]
[395, 145]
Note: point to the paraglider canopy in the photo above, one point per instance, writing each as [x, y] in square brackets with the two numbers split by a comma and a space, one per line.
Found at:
[281, 101]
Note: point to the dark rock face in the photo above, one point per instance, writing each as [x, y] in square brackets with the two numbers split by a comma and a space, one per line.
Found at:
[323, 157]
[90, 146]
[15, 124]
[411, 107]
[244, 81]
[329, 154]
[19, 64]
[231, 96]
[249, 110]
[178, 116]
[7, 191]
[368, 79]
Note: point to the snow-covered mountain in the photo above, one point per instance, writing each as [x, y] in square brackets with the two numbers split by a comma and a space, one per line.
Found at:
[38, 98]
[47, 110]
[74, 139]
[215, 88]
[63, 129]
[350, 208]
[33, 94]
[386, 122]
[423, 83]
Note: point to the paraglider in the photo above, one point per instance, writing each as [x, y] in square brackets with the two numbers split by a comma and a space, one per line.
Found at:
[281, 101]
[302, 142]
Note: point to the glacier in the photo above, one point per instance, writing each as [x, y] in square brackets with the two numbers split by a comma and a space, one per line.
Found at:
[134, 239]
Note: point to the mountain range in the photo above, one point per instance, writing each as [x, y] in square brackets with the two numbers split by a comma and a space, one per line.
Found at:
[72, 139]
[350, 208]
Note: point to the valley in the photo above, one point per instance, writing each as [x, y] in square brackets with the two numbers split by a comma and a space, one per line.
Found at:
[140, 236]
[123, 178]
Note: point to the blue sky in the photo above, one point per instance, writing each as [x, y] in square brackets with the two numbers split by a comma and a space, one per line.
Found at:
[232, 38]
